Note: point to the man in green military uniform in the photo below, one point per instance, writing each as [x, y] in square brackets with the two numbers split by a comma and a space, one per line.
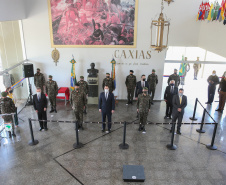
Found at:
[131, 82]
[143, 107]
[78, 101]
[39, 80]
[152, 82]
[52, 92]
[109, 82]
[174, 77]
[196, 67]
[7, 107]
[83, 86]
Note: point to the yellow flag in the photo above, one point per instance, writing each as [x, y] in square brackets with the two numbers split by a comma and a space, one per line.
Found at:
[209, 16]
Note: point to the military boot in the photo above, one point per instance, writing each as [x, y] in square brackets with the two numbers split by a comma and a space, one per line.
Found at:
[52, 110]
[55, 110]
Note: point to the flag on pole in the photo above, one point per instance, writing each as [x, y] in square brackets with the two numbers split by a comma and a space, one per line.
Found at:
[182, 67]
[113, 62]
[73, 76]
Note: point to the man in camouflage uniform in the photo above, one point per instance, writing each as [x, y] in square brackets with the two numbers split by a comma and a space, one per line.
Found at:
[78, 101]
[83, 85]
[7, 107]
[196, 70]
[152, 82]
[52, 92]
[174, 77]
[131, 82]
[109, 82]
[143, 107]
[39, 80]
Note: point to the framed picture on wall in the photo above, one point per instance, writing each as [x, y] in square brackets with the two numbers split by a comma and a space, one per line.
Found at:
[93, 23]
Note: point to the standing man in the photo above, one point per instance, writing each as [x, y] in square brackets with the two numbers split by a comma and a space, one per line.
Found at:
[140, 85]
[109, 82]
[174, 77]
[143, 107]
[84, 88]
[106, 107]
[196, 67]
[179, 104]
[131, 81]
[52, 92]
[7, 107]
[213, 80]
[78, 101]
[222, 93]
[184, 74]
[152, 82]
[39, 80]
[40, 106]
[170, 91]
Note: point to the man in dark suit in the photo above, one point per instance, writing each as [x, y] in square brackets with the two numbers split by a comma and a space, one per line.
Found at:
[106, 107]
[170, 91]
[40, 106]
[179, 104]
[140, 85]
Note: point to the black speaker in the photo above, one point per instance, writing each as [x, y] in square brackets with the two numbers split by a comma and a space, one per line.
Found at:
[28, 70]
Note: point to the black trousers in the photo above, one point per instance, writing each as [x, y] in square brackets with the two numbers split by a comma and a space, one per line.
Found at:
[169, 109]
[211, 93]
[104, 115]
[42, 116]
[178, 116]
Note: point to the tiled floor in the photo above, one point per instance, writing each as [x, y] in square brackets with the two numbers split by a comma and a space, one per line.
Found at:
[100, 161]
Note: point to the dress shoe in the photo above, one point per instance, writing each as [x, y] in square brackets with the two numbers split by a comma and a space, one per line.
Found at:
[103, 130]
[51, 111]
[139, 129]
[55, 111]
[40, 129]
[165, 117]
[178, 132]
[207, 103]
[217, 110]
[144, 130]
[45, 129]
[152, 103]
[170, 117]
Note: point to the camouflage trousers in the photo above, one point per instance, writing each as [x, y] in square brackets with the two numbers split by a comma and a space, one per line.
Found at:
[79, 116]
[152, 93]
[52, 100]
[130, 94]
[143, 118]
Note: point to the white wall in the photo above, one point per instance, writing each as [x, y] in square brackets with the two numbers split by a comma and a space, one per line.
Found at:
[12, 10]
[183, 31]
[212, 37]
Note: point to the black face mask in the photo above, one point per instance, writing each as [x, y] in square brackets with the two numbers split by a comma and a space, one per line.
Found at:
[144, 79]
[172, 84]
[77, 89]
[107, 76]
[81, 80]
[175, 73]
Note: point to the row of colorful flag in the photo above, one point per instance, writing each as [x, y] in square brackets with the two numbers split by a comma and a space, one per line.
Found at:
[212, 12]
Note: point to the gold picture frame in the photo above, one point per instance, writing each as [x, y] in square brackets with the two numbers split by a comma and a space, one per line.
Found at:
[68, 13]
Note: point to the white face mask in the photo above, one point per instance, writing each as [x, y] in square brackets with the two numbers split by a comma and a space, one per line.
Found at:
[214, 74]
[180, 94]
[39, 93]
[106, 90]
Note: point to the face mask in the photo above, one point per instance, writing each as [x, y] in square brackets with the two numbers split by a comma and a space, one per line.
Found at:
[81, 80]
[180, 94]
[131, 74]
[50, 79]
[145, 92]
[76, 89]
[38, 93]
[38, 72]
[175, 73]
[11, 91]
[144, 79]
[107, 76]
[214, 74]
[172, 84]
[106, 90]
